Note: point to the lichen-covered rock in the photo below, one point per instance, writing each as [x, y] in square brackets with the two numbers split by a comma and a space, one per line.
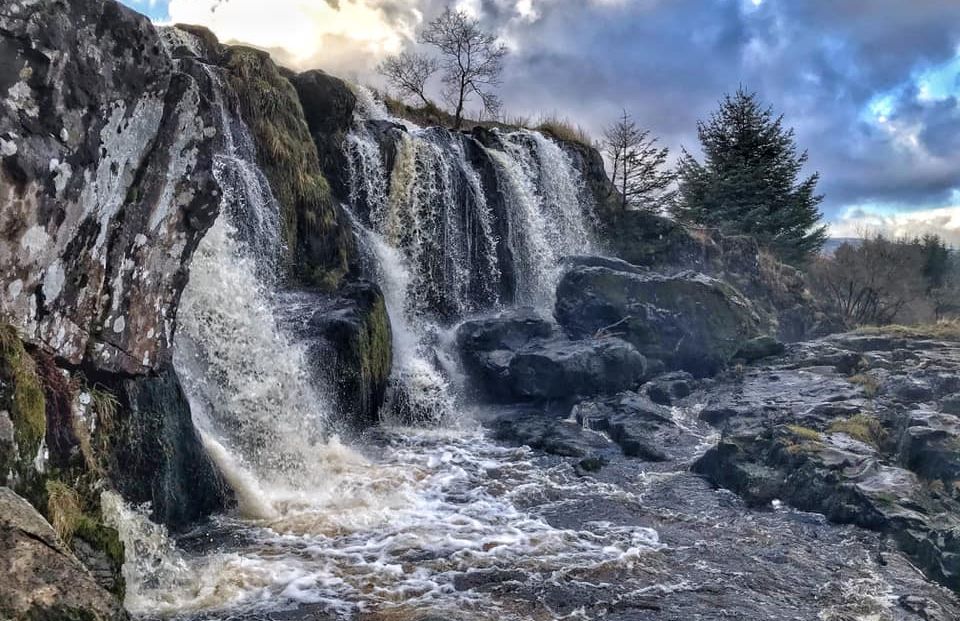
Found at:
[689, 321]
[42, 579]
[105, 170]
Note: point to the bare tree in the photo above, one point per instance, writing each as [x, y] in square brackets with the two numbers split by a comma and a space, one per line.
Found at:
[873, 282]
[409, 72]
[638, 165]
[471, 59]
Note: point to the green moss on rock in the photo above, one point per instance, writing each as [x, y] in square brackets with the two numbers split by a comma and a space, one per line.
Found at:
[320, 243]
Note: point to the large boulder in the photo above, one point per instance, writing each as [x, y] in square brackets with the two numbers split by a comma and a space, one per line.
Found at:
[688, 320]
[519, 356]
[106, 149]
[42, 579]
[156, 455]
[350, 343]
[488, 344]
[560, 369]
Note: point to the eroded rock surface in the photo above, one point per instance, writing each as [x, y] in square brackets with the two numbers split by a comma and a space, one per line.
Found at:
[105, 170]
[856, 427]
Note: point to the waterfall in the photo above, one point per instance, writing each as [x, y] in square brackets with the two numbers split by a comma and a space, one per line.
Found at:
[261, 417]
[547, 218]
[419, 190]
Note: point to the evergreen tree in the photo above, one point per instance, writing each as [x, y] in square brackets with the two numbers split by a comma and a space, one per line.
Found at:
[749, 181]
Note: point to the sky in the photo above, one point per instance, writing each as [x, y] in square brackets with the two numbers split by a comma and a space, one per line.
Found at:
[870, 86]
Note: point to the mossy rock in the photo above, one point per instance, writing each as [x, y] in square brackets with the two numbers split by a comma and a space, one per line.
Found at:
[321, 249]
[352, 348]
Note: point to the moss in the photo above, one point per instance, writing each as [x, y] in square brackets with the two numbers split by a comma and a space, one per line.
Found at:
[869, 384]
[862, 427]
[107, 540]
[376, 344]
[26, 402]
[805, 433]
[319, 241]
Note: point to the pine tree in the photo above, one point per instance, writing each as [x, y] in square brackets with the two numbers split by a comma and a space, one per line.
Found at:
[749, 181]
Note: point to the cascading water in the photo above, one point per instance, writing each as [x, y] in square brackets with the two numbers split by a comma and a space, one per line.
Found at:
[547, 218]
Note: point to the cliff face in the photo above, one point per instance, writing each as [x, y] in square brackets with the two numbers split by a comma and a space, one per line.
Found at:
[105, 180]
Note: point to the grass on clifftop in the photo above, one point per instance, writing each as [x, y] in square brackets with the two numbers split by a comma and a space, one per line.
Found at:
[551, 124]
[946, 330]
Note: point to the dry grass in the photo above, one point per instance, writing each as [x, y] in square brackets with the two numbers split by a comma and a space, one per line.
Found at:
[564, 129]
[805, 433]
[862, 427]
[63, 507]
[945, 330]
[870, 385]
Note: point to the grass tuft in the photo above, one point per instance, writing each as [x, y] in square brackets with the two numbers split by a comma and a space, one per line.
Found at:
[27, 404]
[869, 384]
[64, 509]
[805, 433]
[564, 129]
[862, 427]
[945, 330]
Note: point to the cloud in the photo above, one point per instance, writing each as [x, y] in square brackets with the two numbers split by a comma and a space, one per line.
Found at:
[858, 222]
[349, 36]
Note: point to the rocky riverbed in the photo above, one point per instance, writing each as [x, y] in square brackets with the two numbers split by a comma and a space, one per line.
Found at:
[795, 487]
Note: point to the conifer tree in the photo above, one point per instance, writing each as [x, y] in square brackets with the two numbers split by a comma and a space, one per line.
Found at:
[749, 181]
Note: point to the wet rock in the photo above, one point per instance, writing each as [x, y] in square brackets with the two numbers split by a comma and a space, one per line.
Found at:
[42, 578]
[690, 321]
[559, 369]
[760, 348]
[930, 446]
[487, 346]
[641, 427]
[321, 249]
[156, 454]
[857, 448]
[669, 387]
[950, 404]
[547, 432]
[328, 105]
[350, 345]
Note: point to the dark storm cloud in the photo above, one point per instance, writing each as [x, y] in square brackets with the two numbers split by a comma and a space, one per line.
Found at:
[820, 63]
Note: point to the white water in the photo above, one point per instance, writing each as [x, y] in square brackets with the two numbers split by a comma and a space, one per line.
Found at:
[547, 215]
[393, 539]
